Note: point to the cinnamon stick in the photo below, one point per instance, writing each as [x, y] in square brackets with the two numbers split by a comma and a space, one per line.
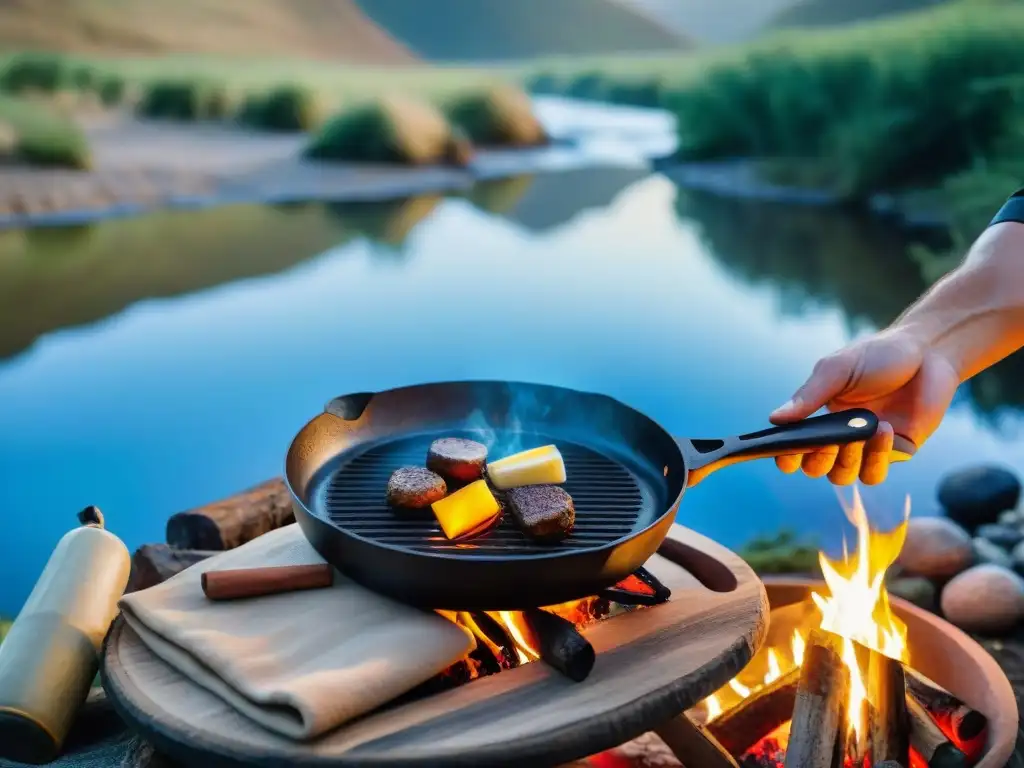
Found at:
[820, 708]
[254, 582]
[929, 740]
[744, 725]
[693, 745]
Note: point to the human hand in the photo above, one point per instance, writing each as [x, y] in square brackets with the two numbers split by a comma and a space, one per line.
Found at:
[907, 384]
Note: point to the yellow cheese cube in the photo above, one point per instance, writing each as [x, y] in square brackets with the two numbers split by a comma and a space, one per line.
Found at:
[537, 466]
[468, 509]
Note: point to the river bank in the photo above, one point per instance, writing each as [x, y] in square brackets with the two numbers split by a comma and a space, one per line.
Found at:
[141, 166]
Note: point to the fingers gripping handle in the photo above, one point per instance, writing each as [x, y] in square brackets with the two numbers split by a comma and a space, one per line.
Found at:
[840, 428]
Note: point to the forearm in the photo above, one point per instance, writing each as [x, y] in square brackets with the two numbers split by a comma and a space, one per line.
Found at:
[974, 316]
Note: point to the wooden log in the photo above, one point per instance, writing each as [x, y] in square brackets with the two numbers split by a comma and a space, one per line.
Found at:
[153, 564]
[693, 745]
[560, 644]
[885, 731]
[965, 726]
[233, 521]
[819, 714]
[742, 726]
[930, 742]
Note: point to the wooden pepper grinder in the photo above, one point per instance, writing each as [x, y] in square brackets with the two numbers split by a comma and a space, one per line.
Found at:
[50, 656]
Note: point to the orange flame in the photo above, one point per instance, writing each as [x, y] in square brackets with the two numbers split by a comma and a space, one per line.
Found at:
[858, 606]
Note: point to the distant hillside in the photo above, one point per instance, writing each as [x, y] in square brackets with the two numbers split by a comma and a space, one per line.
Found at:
[722, 21]
[309, 29]
[499, 30]
[829, 13]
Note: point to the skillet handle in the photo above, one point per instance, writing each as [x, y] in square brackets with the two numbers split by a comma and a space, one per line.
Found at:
[840, 428]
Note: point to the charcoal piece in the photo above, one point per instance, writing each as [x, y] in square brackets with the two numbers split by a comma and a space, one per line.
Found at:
[542, 512]
[639, 588]
[560, 644]
[457, 460]
[415, 488]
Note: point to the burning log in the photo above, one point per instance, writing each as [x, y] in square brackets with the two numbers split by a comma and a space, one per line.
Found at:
[497, 649]
[559, 643]
[231, 522]
[742, 726]
[820, 708]
[640, 588]
[885, 735]
[965, 727]
[693, 745]
[930, 742]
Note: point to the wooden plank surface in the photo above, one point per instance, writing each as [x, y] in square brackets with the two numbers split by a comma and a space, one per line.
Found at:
[651, 665]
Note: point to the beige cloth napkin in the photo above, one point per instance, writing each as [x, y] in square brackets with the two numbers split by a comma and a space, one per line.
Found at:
[298, 663]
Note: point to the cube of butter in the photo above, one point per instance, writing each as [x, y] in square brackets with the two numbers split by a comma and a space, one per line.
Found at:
[468, 509]
[537, 466]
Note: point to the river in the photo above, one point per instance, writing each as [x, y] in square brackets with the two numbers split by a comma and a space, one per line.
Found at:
[155, 363]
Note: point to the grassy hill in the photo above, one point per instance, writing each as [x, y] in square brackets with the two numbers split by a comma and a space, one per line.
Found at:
[309, 29]
[828, 13]
[723, 21]
[501, 30]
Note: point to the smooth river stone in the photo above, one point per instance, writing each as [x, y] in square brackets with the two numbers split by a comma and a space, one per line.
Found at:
[915, 589]
[936, 548]
[986, 551]
[1006, 536]
[986, 598]
[978, 495]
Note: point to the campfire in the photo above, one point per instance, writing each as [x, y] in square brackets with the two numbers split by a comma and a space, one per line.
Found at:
[841, 692]
[552, 634]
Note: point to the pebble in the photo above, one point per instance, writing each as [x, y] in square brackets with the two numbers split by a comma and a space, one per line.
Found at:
[986, 551]
[1011, 517]
[978, 495]
[1004, 536]
[1018, 557]
[915, 589]
[935, 547]
[986, 598]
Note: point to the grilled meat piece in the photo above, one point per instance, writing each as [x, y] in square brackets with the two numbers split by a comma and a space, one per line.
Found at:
[543, 512]
[457, 460]
[415, 488]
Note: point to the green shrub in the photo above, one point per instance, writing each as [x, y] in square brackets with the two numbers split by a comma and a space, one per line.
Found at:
[44, 137]
[783, 553]
[287, 108]
[895, 103]
[185, 100]
[590, 85]
[111, 90]
[636, 93]
[499, 116]
[84, 78]
[37, 72]
[391, 130]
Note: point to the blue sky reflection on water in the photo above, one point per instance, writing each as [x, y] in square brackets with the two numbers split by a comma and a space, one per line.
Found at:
[177, 402]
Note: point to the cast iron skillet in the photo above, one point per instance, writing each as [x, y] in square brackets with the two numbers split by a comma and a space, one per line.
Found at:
[625, 473]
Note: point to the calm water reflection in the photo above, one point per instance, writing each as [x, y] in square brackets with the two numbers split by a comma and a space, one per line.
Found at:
[157, 363]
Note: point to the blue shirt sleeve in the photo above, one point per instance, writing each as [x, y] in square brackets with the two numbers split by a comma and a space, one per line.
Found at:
[1012, 210]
